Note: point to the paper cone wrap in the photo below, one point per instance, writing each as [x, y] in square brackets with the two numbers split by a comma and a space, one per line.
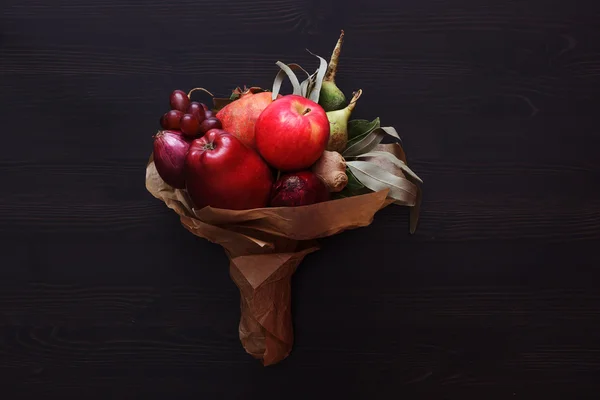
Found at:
[265, 246]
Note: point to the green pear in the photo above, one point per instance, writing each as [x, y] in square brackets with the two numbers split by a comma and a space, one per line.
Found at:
[331, 98]
[338, 125]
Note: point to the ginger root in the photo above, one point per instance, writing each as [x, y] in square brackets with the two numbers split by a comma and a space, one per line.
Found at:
[331, 168]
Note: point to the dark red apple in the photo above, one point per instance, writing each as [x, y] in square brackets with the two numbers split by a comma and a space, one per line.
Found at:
[298, 189]
[291, 133]
[222, 172]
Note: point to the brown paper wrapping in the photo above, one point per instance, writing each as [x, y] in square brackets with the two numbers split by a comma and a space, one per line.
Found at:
[265, 246]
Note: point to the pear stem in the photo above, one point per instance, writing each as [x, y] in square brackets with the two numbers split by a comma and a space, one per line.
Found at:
[355, 98]
[333, 62]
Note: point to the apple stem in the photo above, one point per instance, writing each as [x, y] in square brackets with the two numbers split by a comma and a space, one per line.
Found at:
[209, 146]
[306, 111]
[278, 174]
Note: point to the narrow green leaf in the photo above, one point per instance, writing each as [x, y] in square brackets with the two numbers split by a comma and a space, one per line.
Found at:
[311, 82]
[304, 88]
[277, 84]
[353, 187]
[316, 91]
[353, 184]
[364, 144]
[305, 83]
[375, 178]
[285, 70]
[394, 159]
[361, 127]
[394, 148]
[297, 67]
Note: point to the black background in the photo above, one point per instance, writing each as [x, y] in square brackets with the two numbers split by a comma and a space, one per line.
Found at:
[103, 294]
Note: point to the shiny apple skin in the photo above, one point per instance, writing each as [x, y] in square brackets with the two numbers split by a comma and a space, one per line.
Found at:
[222, 172]
[292, 133]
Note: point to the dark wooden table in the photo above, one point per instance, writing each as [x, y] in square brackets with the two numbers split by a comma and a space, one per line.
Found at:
[103, 294]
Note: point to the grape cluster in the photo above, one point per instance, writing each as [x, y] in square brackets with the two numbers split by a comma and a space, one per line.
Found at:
[192, 118]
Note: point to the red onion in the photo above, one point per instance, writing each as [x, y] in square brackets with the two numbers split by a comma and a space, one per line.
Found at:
[298, 189]
[170, 149]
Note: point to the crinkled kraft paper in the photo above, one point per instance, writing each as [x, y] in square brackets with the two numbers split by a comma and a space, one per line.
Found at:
[265, 246]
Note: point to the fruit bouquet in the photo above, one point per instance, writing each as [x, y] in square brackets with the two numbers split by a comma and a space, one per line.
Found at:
[266, 175]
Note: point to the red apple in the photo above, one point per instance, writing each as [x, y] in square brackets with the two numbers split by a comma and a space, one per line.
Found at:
[222, 172]
[292, 133]
[239, 117]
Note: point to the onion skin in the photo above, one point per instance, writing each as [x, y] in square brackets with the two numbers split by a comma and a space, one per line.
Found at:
[298, 189]
[170, 149]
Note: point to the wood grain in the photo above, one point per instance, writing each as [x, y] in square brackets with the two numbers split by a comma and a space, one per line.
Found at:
[422, 359]
[104, 295]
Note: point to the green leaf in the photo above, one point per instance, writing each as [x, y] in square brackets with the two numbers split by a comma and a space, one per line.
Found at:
[361, 127]
[392, 155]
[367, 142]
[389, 156]
[316, 90]
[376, 178]
[353, 184]
[312, 81]
[297, 67]
[353, 187]
[304, 85]
[285, 70]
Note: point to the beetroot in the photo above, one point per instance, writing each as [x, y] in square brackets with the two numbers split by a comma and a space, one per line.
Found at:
[298, 189]
[239, 116]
